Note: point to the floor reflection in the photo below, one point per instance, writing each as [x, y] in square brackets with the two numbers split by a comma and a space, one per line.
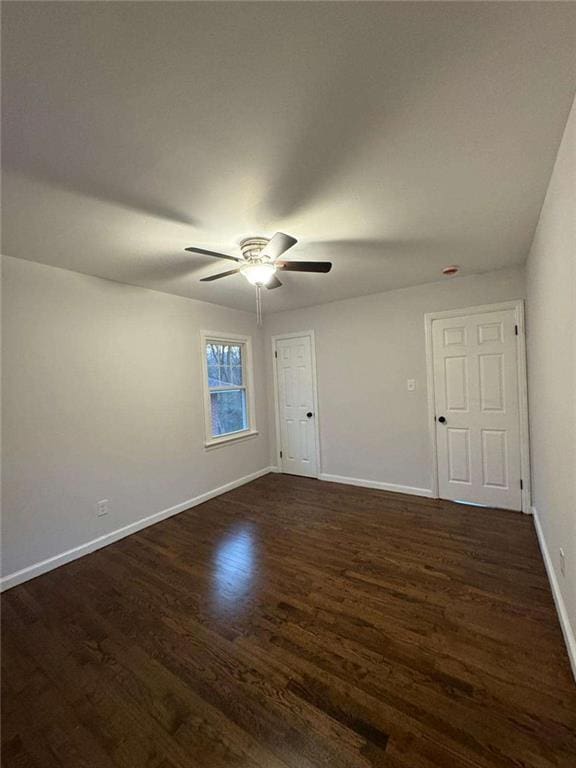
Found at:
[235, 568]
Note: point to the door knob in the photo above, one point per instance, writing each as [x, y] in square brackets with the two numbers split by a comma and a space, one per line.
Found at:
[309, 414]
[442, 419]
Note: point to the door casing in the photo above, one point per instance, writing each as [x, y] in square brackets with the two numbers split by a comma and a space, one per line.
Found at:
[297, 335]
[518, 307]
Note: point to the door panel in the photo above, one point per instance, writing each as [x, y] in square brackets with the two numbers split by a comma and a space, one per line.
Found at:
[456, 377]
[488, 332]
[476, 390]
[458, 455]
[492, 383]
[295, 401]
[454, 336]
[495, 458]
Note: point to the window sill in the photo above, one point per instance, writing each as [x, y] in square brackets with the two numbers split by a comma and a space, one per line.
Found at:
[227, 439]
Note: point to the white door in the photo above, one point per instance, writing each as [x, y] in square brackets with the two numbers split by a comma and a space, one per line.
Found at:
[477, 408]
[296, 416]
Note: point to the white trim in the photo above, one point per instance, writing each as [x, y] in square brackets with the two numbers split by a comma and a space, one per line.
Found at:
[518, 307]
[409, 489]
[18, 577]
[567, 630]
[248, 386]
[231, 437]
[523, 403]
[297, 335]
[431, 397]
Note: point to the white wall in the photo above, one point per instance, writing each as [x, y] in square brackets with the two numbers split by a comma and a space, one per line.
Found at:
[102, 399]
[551, 332]
[371, 427]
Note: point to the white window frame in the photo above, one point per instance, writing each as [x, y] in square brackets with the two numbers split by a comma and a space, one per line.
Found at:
[218, 337]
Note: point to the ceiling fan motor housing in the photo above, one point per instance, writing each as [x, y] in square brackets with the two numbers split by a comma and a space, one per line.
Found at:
[252, 247]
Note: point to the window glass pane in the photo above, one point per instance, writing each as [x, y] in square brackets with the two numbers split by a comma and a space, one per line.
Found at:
[213, 353]
[214, 376]
[224, 364]
[236, 374]
[228, 410]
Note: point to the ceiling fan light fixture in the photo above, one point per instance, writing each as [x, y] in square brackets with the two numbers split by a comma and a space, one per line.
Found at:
[259, 274]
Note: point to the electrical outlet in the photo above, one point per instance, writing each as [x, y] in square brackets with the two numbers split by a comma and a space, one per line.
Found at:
[102, 508]
[562, 562]
[411, 385]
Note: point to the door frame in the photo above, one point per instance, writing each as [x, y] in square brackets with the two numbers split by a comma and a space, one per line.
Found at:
[296, 335]
[518, 307]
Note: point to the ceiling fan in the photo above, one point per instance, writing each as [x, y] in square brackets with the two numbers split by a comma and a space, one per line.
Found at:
[259, 263]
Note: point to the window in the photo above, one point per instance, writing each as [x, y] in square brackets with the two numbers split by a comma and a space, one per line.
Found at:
[228, 387]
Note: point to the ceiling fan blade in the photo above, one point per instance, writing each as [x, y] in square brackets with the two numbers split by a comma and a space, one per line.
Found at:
[305, 266]
[212, 253]
[278, 245]
[274, 283]
[218, 276]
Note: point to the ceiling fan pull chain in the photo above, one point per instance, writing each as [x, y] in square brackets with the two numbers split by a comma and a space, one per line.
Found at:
[259, 305]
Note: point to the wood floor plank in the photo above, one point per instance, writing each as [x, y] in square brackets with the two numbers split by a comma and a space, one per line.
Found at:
[294, 624]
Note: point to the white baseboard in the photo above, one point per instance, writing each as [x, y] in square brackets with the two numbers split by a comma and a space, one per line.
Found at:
[376, 484]
[567, 630]
[18, 577]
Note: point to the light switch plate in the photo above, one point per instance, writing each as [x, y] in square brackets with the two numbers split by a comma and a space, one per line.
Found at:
[411, 384]
[102, 508]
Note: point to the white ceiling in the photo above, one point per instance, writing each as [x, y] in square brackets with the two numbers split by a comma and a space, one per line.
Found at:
[406, 136]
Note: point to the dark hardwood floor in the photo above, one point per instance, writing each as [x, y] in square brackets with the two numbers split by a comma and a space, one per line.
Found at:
[294, 623]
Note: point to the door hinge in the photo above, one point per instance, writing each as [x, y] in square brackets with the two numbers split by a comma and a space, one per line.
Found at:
[521, 485]
[275, 353]
[280, 454]
[516, 330]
